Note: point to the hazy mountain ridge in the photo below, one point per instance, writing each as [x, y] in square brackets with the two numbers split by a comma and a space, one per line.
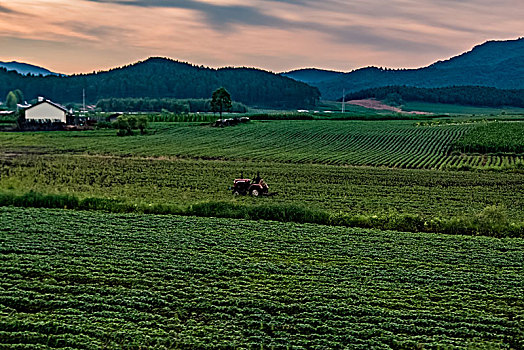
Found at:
[490, 51]
[497, 64]
[26, 68]
[311, 75]
[159, 77]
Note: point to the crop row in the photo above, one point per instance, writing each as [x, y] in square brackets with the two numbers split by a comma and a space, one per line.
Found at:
[371, 143]
[91, 280]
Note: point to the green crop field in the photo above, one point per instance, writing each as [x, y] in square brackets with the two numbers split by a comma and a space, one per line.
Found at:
[103, 279]
[90, 280]
[399, 144]
[501, 137]
[439, 108]
[350, 190]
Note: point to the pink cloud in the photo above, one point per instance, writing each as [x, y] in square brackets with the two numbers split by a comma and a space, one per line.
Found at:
[82, 36]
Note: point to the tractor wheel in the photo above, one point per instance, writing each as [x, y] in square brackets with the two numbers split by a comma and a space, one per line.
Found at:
[236, 193]
[255, 192]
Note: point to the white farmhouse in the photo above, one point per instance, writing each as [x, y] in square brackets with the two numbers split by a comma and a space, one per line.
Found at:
[46, 110]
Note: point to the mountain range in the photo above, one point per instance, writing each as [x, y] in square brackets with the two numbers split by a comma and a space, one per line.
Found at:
[25, 68]
[497, 64]
[159, 77]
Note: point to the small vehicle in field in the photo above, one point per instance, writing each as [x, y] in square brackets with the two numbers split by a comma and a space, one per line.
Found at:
[256, 187]
[231, 121]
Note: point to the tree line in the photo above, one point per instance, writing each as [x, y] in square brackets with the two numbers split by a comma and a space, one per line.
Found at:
[462, 95]
[159, 78]
[162, 104]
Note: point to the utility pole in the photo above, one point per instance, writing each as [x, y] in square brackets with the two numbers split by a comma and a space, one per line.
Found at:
[343, 101]
[83, 100]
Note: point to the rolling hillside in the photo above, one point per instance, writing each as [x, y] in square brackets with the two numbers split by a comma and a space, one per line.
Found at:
[497, 64]
[162, 77]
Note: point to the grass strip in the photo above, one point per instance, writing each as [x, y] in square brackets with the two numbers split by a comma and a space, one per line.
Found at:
[492, 221]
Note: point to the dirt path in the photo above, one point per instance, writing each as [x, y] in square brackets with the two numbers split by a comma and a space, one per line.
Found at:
[378, 105]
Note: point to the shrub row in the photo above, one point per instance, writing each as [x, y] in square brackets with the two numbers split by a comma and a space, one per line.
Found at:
[492, 221]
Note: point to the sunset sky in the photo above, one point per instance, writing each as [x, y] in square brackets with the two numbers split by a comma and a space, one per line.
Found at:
[73, 36]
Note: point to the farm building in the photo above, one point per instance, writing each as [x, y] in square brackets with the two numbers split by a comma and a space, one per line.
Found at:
[47, 110]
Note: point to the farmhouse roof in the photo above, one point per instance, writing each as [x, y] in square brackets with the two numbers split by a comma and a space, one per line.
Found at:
[59, 106]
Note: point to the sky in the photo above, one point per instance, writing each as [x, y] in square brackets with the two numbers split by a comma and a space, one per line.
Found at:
[81, 36]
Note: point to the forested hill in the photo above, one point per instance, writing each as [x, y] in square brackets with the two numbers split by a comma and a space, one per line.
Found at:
[24, 68]
[497, 64]
[163, 78]
[462, 95]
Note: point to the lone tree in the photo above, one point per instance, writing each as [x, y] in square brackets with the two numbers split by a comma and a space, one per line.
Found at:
[11, 100]
[221, 101]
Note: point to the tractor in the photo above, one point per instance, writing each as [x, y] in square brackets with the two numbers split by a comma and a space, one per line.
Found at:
[256, 187]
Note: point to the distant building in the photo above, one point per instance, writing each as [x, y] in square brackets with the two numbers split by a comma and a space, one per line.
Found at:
[22, 105]
[46, 110]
